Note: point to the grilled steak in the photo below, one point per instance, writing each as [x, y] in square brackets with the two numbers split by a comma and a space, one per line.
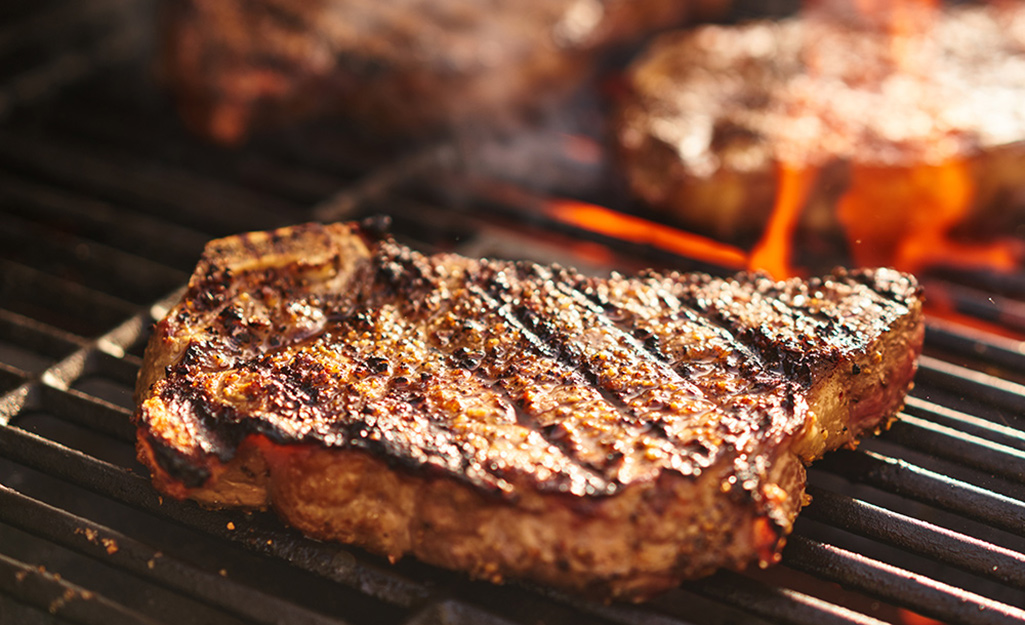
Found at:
[922, 126]
[607, 435]
[403, 65]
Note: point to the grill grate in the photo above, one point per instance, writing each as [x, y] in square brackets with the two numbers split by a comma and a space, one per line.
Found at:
[105, 204]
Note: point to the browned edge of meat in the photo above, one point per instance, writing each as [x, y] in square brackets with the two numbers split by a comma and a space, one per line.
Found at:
[403, 67]
[631, 543]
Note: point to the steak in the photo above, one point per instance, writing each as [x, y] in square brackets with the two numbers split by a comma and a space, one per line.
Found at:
[407, 66]
[901, 122]
[610, 436]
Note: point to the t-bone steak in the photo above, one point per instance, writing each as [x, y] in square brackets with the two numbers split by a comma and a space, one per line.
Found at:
[611, 436]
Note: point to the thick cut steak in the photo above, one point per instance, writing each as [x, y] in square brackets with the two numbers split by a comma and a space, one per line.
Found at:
[607, 435]
[714, 113]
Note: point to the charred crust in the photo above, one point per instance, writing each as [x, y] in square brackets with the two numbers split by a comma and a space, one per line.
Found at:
[657, 417]
[650, 375]
[183, 468]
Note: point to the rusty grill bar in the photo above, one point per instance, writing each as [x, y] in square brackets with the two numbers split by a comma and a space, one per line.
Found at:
[104, 206]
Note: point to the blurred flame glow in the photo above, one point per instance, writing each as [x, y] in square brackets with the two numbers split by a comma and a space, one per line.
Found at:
[773, 251]
[894, 214]
[601, 220]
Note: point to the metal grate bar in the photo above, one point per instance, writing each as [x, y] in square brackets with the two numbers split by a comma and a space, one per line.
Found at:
[987, 388]
[118, 550]
[55, 394]
[81, 310]
[179, 196]
[938, 543]
[993, 350]
[985, 305]
[11, 377]
[970, 424]
[546, 606]
[107, 354]
[93, 265]
[122, 368]
[68, 67]
[1007, 283]
[778, 604]
[37, 341]
[149, 237]
[111, 481]
[456, 613]
[88, 411]
[384, 180]
[900, 586]
[322, 155]
[50, 593]
[966, 449]
[262, 168]
[908, 480]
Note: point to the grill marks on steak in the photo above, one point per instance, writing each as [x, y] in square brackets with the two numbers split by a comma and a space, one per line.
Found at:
[492, 371]
[566, 370]
[475, 342]
[710, 357]
[648, 396]
[533, 387]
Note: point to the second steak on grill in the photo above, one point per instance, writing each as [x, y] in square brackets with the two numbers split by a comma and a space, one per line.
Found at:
[897, 138]
[611, 436]
[400, 65]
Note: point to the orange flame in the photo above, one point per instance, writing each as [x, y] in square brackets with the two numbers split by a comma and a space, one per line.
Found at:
[913, 618]
[902, 20]
[601, 220]
[772, 253]
[902, 216]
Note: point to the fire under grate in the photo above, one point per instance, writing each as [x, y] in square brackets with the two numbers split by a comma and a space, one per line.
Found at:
[105, 204]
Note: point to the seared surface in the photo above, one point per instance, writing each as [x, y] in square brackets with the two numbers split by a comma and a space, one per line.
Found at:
[318, 356]
[404, 65]
[714, 113]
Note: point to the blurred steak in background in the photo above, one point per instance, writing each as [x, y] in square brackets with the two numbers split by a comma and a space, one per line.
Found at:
[895, 133]
[404, 66]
